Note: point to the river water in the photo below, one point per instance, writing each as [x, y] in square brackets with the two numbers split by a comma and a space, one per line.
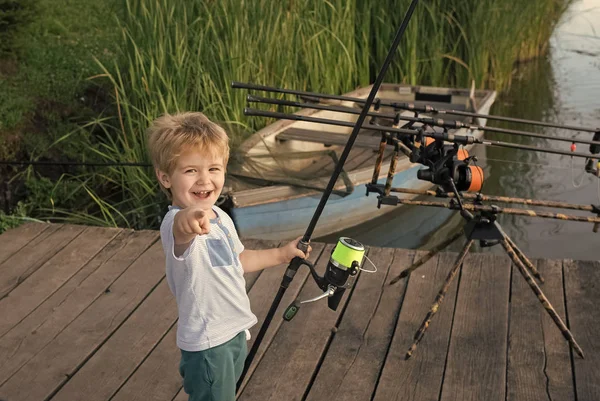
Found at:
[562, 87]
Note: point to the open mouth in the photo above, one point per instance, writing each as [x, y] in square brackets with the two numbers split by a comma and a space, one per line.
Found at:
[202, 194]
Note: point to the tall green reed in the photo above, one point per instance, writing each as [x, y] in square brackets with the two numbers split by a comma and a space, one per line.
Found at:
[183, 54]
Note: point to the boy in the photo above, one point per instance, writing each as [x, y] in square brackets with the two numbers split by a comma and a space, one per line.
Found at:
[205, 259]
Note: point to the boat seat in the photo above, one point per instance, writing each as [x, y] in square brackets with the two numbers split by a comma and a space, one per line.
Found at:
[328, 138]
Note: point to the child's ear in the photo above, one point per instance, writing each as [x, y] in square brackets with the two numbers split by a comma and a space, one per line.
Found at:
[163, 178]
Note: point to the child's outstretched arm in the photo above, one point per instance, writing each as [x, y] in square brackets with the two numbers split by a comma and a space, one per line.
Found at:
[188, 223]
[253, 260]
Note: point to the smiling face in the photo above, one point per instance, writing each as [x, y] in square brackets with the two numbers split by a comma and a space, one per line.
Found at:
[197, 179]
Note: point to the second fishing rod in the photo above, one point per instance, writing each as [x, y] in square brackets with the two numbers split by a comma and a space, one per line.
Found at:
[316, 97]
[437, 122]
[445, 136]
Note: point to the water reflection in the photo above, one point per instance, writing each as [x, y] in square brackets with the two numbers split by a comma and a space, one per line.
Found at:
[562, 87]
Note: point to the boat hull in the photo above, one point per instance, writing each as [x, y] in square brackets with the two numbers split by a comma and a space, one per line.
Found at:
[287, 217]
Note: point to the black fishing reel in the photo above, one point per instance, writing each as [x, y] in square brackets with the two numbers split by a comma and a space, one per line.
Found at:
[345, 261]
[446, 163]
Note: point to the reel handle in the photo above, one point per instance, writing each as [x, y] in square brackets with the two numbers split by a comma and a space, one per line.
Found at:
[330, 291]
[333, 295]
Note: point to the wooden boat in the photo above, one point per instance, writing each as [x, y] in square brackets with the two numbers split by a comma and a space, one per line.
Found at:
[275, 180]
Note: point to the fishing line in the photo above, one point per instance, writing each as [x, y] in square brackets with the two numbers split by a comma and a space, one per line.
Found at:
[575, 184]
[371, 262]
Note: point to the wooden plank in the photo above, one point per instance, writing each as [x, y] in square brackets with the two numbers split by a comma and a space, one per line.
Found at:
[105, 372]
[420, 377]
[539, 362]
[476, 365]
[288, 365]
[66, 353]
[21, 301]
[33, 255]
[354, 360]
[157, 379]
[582, 287]
[158, 376]
[34, 332]
[261, 297]
[11, 241]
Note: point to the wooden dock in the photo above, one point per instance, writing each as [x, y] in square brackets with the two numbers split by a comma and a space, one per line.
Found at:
[86, 314]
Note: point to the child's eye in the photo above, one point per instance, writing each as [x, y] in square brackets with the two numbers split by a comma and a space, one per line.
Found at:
[191, 170]
[215, 169]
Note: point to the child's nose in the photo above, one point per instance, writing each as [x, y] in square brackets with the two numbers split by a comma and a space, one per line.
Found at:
[203, 177]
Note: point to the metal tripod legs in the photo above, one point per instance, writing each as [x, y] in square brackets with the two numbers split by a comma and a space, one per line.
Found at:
[439, 297]
[518, 260]
[523, 264]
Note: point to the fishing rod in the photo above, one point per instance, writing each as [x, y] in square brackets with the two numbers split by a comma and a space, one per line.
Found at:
[434, 110]
[498, 210]
[267, 181]
[445, 136]
[478, 197]
[313, 96]
[337, 271]
[453, 124]
[70, 164]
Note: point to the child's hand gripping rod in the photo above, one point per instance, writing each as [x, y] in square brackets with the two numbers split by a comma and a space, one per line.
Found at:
[297, 262]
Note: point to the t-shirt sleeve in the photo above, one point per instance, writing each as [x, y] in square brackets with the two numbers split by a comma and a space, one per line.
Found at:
[168, 241]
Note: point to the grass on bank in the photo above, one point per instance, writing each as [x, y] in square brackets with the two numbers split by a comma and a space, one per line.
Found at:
[45, 94]
[44, 86]
[182, 55]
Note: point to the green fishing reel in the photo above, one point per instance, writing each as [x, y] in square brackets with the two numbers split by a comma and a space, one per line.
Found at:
[345, 261]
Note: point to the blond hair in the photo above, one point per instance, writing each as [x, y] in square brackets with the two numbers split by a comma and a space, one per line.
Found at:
[170, 135]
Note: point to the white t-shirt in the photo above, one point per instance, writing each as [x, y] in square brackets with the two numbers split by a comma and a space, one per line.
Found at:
[208, 283]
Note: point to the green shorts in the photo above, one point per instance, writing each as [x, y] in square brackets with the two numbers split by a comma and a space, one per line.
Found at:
[212, 374]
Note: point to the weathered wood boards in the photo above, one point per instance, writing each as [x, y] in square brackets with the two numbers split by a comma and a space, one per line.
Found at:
[68, 351]
[421, 377]
[88, 316]
[476, 365]
[539, 362]
[357, 353]
[582, 290]
[52, 316]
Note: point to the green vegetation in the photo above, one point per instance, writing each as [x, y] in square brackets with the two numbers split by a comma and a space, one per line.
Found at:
[155, 56]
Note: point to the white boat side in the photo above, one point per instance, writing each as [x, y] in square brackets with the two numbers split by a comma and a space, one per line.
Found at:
[282, 212]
